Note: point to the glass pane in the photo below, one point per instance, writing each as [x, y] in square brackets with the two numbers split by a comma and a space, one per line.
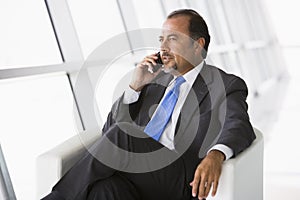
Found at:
[36, 115]
[216, 59]
[117, 76]
[26, 36]
[251, 68]
[149, 13]
[258, 19]
[232, 63]
[173, 5]
[285, 15]
[95, 22]
[219, 20]
[202, 7]
[238, 21]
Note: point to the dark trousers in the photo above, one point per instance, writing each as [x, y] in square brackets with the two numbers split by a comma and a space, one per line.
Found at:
[91, 179]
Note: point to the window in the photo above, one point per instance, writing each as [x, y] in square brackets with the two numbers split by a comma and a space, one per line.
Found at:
[26, 36]
[150, 14]
[95, 22]
[36, 115]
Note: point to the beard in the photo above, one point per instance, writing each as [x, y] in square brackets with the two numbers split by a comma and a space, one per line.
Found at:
[171, 69]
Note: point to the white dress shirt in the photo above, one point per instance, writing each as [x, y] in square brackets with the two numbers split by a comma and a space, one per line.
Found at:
[167, 137]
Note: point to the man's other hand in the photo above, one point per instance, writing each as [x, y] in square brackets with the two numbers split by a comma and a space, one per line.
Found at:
[207, 174]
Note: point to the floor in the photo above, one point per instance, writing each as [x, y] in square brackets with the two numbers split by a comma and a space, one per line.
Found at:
[279, 124]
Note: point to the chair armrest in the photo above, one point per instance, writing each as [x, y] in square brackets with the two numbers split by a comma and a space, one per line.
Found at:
[53, 164]
[242, 176]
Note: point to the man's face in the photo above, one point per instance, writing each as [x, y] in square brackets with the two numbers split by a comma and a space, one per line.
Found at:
[177, 48]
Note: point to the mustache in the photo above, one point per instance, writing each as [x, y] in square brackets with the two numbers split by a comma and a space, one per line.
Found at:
[168, 55]
[165, 54]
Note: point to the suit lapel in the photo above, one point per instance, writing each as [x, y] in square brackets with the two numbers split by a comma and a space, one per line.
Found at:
[199, 89]
[192, 103]
[152, 96]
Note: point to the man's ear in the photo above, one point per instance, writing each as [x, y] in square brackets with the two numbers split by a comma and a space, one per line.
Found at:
[199, 45]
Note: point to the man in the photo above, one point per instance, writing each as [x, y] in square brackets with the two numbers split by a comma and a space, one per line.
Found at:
[193, 111]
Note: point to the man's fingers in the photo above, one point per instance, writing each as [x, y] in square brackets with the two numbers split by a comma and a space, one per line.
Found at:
[215, 187]
[195, 185]
[206, 178]
[151, 59]
[148, 63]
[201, 190]
[207, 188]
[144, 64]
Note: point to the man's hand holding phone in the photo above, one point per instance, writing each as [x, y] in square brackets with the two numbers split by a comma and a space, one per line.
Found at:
[146, 71]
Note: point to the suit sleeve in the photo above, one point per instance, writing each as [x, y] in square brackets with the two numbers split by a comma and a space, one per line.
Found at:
[237, 132]
[123, 112]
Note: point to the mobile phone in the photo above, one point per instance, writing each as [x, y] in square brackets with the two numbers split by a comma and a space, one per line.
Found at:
[159, 62]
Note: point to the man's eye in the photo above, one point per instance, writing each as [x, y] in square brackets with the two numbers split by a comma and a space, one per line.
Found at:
[172, 38]
[160, 40]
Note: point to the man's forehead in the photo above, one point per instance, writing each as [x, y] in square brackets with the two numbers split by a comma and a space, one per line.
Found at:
[170, 32]
[176, 25]
[166, 32]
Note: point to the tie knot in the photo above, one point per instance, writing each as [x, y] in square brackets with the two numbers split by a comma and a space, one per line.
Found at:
[178, 81]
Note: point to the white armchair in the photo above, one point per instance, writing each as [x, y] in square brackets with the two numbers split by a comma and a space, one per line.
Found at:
[241, 178]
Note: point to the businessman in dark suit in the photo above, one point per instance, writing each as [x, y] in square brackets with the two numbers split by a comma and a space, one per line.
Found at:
[208, 123]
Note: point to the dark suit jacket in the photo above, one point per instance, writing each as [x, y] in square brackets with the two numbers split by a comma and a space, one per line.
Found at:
[215, 112]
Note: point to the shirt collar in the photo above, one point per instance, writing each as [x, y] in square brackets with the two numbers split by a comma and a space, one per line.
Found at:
[191, 75]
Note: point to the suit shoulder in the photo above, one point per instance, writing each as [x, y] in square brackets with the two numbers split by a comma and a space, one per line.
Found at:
[228, 78]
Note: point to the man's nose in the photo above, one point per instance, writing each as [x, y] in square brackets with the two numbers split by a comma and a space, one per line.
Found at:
[164, 47]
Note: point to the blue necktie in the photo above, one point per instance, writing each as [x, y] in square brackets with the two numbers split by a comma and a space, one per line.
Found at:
[157, 124]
